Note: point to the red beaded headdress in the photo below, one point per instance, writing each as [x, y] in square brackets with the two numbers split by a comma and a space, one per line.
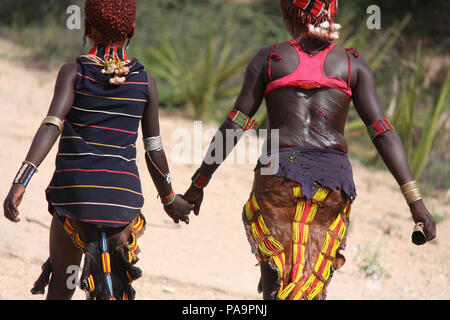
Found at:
[316, 15]
[320, 10]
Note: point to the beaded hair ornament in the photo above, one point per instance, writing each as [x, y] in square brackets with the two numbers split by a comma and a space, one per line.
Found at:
[318, 16]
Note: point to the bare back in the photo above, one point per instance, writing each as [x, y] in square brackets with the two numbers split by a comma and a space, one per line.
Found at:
[313, 117]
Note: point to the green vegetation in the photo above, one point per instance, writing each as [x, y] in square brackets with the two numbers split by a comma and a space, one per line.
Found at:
[204, 82]
[368, 262]
[198, 51]
[418, 136]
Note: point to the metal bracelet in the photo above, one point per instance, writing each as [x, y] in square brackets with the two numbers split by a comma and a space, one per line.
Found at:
[54, 121]
[153, 144]
[411, 192]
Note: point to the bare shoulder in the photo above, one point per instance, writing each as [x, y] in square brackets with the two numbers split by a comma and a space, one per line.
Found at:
[152, 85]
[69, 67]
[283, 48]
[67, 74]
[260, 57]
[362, 68]
[150, 78]
[356, 57]
[359, 67]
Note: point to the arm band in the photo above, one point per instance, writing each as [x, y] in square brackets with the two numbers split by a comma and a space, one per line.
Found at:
[54, 121]
[168, 200]
[26, 171]
[153, 144]
[199, 180]
[242, 120]
[411, 192]
[379, 127]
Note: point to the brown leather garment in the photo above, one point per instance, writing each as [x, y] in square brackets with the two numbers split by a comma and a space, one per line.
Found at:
[277, 205]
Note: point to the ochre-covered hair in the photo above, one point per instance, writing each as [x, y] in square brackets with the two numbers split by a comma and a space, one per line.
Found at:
[310, 14]
[113, 18]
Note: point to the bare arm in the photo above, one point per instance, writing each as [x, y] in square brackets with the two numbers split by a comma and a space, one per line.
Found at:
[46, 135]
[388, 144]
[150, 128]
[248, 102]
[156, 160]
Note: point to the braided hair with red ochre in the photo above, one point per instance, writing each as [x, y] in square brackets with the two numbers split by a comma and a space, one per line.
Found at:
[114, 19]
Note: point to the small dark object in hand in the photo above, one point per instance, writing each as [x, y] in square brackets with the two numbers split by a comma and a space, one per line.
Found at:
[418, 236]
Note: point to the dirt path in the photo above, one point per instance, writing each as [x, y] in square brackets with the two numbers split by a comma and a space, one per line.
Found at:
[210, 258]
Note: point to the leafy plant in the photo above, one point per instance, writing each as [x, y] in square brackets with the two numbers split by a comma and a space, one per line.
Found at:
[374, 51]
[430, 130]
[202, 81]
[417, 136]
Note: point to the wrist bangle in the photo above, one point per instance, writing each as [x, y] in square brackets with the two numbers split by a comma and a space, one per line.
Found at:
[411, 192]
[26, 171]
[167, 200]
[242, 120]
[199, 180]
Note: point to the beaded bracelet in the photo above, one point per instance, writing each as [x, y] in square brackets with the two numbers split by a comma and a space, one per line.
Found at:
[242, 120]
[168, 200]
[199, 180]
[379, 127]
[26, 171]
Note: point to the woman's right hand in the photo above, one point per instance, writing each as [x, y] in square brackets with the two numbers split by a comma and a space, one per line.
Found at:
[194, 196]
[12, 201]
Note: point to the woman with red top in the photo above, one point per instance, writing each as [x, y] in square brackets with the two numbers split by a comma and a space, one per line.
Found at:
[297, 215]
[95, 194]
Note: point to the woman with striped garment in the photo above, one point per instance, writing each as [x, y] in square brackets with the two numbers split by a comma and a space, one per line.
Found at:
[95, 194]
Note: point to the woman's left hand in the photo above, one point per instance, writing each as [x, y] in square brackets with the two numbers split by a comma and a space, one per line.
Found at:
[179, 209]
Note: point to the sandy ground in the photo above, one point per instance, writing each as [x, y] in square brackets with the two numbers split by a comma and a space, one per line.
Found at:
[210, 258]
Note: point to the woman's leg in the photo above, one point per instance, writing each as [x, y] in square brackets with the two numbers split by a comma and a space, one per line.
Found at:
[63, 254]
[269, 281]
[267, 218]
